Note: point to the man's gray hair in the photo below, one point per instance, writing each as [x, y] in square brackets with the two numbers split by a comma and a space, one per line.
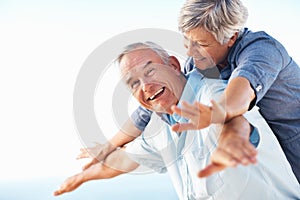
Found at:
[145, 45]
[222, 18]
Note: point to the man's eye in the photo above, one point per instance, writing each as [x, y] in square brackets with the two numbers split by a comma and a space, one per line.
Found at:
[135, 84]
[150, 72]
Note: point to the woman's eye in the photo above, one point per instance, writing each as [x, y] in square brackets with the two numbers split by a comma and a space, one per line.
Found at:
[201, 45]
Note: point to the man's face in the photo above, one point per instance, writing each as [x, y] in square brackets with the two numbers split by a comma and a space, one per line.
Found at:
[206, 51]
[156, 85]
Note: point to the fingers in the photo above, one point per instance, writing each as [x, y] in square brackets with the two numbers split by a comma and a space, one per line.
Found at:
[198, 114]
[210, 169]
[84, 154]
[220, 160]
[63, 189]
[69, 185]
[249, 154]
[188, 111]
[221, 157]
[202, 107]
[183, 127]
[243, 152]
[58, 192]
[188, 108]
[90, 152]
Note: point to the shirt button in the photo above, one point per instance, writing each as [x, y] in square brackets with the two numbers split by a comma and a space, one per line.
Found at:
[258, 88]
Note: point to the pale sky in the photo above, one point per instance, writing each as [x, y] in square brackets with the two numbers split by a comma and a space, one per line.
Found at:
[43, 45]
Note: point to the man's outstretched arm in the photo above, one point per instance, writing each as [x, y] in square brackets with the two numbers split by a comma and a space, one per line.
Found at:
[126, 134]
[115, 164]
[233, 148]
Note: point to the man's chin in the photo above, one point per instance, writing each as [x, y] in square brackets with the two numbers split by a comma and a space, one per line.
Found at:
[160, 109]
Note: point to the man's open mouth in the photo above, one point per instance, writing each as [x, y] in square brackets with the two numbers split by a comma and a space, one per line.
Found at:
[157, 94]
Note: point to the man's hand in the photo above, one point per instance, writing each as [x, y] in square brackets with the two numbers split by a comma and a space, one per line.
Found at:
[115, 164]
[97, 171]
[234, 148]
[200, 116]
[98, 153]
[70, 184]
[90, 151]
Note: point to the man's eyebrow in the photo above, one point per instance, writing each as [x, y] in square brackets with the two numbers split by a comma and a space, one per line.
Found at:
[146, 65]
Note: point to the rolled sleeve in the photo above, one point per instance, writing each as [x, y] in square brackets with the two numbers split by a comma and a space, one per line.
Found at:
[141, 117]
[260, 64]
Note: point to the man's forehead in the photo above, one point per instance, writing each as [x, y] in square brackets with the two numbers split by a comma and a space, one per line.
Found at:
[137, 58]
[130, 64]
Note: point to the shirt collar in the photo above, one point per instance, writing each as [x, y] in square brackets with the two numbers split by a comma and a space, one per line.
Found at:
[225, 73]
[190, 91]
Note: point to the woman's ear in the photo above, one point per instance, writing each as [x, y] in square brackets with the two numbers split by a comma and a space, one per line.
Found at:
[233, 39]
[173, 62]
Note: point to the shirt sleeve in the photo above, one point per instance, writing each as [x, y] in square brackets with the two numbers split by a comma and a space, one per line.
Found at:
[141, 152]
[141, 117]
[260, 63]
[258, 124]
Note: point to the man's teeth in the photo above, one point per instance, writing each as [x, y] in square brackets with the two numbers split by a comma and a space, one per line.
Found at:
[156, 93]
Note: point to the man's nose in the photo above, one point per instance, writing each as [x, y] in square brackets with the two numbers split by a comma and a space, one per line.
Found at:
[146, 87]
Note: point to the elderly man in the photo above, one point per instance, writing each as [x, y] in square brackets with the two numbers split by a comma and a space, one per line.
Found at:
[156, 81]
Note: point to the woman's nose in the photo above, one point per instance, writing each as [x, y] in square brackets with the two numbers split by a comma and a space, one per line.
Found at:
[191, 50]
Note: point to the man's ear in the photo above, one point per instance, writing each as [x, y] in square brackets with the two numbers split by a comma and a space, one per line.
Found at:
[173, 62]
[232, 39]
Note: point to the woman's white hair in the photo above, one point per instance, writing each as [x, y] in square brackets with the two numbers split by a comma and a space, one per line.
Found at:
[222, 18]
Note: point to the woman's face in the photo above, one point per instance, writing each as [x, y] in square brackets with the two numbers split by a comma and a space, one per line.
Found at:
[206, 51]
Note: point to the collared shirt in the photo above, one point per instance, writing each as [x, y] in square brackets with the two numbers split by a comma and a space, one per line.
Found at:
[184, 154]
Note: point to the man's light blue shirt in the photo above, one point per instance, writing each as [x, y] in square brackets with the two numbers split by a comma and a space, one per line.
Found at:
[184, 154]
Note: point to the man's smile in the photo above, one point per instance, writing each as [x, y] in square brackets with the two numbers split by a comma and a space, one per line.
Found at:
[157, 94]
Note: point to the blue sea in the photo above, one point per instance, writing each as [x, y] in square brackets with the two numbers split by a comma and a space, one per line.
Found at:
[125, 187]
